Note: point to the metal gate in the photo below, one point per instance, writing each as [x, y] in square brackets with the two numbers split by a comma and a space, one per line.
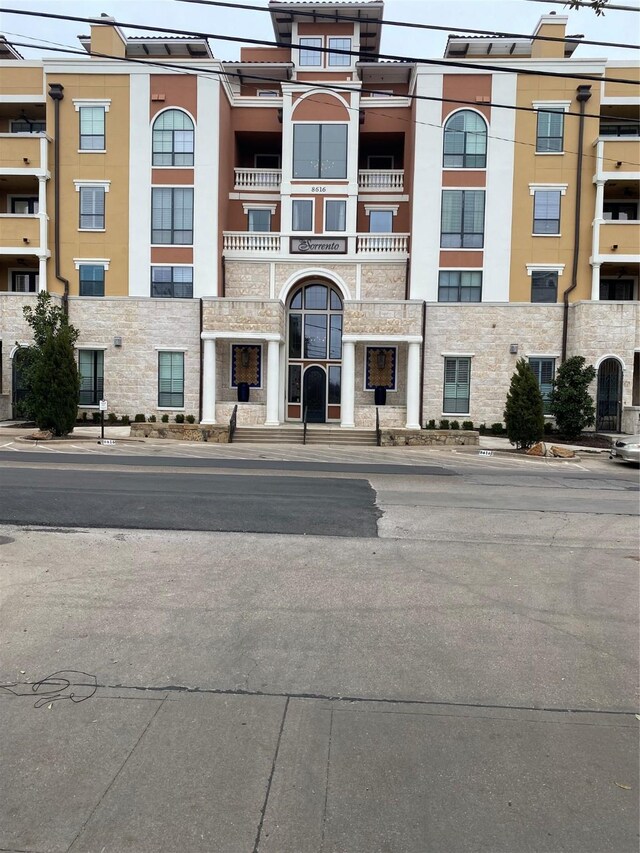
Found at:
[18, 385]
[609, 400]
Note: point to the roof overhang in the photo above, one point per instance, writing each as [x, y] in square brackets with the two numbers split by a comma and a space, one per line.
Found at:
[368, 14]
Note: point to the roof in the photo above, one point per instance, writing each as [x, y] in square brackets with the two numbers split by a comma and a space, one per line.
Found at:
[367, 12]
[153, 47]
[7, 50]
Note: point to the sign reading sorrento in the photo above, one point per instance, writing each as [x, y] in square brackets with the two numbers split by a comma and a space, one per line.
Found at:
[318, 245]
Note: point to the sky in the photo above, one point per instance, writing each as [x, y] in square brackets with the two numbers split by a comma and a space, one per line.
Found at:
[516, 16]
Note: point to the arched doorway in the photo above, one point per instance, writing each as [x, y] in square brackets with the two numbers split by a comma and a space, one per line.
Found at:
[19, 387]
[609, 396]
[314, 352]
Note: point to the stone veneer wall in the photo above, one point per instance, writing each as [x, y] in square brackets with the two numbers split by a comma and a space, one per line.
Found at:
[383, 281]
[243, 278]
[485, 331]
[243, 315]
[145, 326]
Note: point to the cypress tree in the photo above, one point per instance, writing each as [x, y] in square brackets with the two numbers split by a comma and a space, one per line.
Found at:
[524, 410]
[571, 402]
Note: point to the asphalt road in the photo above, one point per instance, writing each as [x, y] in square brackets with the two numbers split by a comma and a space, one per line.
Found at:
[450, 666]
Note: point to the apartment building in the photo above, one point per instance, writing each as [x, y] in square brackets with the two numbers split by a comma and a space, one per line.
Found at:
[315, 233]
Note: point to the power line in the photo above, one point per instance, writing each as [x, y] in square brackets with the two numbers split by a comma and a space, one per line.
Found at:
[588, 5]
[329, 88]
[337, 17]
[394, 57]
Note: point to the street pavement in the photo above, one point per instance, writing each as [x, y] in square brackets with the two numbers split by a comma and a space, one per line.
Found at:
[441, 657]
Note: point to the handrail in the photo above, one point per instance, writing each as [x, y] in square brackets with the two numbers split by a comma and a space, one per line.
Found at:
[378, 430]
[232, 422]
[304, 426]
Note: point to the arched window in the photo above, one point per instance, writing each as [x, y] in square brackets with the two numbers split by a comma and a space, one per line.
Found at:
[465, 141]
[173, 139]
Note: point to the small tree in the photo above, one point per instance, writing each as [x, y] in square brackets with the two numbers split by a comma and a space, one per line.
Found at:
[52, 376]
[524, 410]
[570, 401]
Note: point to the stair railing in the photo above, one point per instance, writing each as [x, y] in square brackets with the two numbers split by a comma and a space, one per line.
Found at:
[233, 422]
[304, 426]
[378, 430]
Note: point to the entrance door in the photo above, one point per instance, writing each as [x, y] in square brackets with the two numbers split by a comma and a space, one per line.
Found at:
[609, 401]
[19, 387]
[314, 395]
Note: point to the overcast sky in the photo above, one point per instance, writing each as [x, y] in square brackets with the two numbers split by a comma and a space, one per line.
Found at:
[518, 16]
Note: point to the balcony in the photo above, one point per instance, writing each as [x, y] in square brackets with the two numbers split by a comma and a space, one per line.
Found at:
[257, 179]
[23, 153]
[623, 235]
[20, 232]
[268, 244]
[381, 180]
[617, 158]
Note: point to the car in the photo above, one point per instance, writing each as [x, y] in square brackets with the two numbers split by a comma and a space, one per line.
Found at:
[627, 448]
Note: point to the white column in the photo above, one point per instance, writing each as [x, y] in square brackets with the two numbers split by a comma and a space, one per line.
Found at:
[209, 382]
[413, 386]
[595, 281]
[273, 383]
[42, 272]
[347, 397]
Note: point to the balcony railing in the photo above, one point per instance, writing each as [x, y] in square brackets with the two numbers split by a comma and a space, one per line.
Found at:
[266, 242]
[381, 180]
[251, 241]
[258, 178]
[385, 243]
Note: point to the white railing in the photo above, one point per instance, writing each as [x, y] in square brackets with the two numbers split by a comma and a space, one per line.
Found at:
[258, 178]
[374, 243]
[381, 179]
[251, 241]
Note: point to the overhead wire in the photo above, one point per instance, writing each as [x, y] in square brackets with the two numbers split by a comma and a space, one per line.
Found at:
[333, 87]
[386, 56]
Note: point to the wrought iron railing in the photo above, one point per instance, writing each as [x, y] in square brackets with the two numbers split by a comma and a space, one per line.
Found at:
[233, 422]
[304, 426]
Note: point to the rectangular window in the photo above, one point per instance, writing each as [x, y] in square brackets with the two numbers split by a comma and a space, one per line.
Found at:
[92, 208]
[617, 289]
[457, 380]
[259, 220]
[91, 370]
[460, 286]
[315, 336]
[295, 374]
[320, 151]
[380, 221]
[172, 282]
[544, 286]
[544, 370]
[462, 219]
[302, 214]
[335, 216]
[310, 57]
[339, 58]
[550, 131]
[92, 128]
[172, 215]
[91, 280]
[24, 282]
[171, 380]
[546, 212]
[334, 385]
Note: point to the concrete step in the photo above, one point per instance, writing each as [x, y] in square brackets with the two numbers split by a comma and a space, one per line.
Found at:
[293, 435]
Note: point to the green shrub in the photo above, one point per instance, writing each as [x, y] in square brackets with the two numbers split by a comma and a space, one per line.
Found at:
[482, 429]
[454, 425]
[524, 409]
[548, 427]
[95, 416]
[139, 419]
[431, 424]
[152, 419]
[571, 402]
[191, 419]
[124, 420]
[84, 417]
[444, 424]
[467, 424]
[497, 429]
[180, 419]
[165, 419]
[112, 417]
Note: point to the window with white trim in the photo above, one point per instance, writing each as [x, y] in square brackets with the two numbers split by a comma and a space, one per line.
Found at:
[546, 212]
[259, 219]
[92, 208]
[91, 370]
[335, 215]
[320, 151]
[462, 219]
[460, 286]
[310, 57]
[173, 139]
[92, 121]
[381, 221]
[544, 370]
[465, 141]
[544, 286]
[339, 58]
[550, 131]
[301, 214]
[172, 215]
[457, 383]
[91, 279]
[171, 380]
